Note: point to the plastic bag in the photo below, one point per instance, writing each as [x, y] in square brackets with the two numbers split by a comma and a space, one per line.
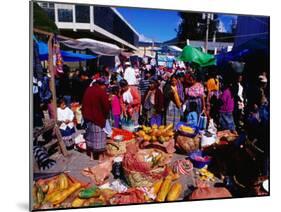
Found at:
[202, 121]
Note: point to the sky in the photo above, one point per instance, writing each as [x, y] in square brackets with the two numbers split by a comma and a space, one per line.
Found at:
[159, 25]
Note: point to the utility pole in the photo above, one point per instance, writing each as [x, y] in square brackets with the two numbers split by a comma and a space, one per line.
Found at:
[208, 17]
[207, 33]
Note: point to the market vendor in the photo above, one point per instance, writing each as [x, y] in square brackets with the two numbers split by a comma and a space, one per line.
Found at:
[213, 93]
[194, 92]
[172, 102]
[130, 101]
[95, 110]
[154, 103]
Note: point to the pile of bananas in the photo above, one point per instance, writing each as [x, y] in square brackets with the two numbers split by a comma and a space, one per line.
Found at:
[53, 191]
[187, 129]
[153, 134]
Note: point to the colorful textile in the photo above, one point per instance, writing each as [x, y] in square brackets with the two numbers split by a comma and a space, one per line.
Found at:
[115, 105]
[58, 62]
[227, 101]
[213, 85]
[156, 119]
[96, 105]
[197, 90]
[95, 137]
[173, 114]
[134, 106]
[176, 96]
[180, 91]
[116, 121]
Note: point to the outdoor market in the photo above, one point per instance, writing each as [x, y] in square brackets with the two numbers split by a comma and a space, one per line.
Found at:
[163, 124]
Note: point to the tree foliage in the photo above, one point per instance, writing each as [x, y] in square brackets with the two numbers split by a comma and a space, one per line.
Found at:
[42, 21]
[193, 27]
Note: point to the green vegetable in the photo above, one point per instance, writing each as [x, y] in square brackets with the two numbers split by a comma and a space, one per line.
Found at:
[89, 192]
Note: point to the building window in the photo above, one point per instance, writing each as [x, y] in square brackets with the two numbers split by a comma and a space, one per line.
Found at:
[51, 5]
[51, 13]
[65, 15]
[44, 4]
[82, 13]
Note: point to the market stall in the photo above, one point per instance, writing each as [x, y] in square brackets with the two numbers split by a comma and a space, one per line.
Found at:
[153, 164]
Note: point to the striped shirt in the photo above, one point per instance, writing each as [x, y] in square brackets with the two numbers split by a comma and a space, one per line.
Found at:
[144, 86]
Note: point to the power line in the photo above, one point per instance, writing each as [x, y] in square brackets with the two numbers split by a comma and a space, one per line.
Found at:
[235, 36]
[259, 20]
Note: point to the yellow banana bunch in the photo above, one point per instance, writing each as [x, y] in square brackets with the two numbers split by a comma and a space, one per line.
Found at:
[187, 129]
[63, 182]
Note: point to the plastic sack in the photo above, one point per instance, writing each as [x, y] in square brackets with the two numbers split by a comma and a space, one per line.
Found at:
[202, 121]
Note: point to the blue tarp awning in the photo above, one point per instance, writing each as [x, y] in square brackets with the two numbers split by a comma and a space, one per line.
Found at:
[67, 56]
[241, 52]
[231, 56]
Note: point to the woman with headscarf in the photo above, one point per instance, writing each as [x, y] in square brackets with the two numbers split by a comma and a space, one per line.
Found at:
[194, 92]
[130, 101]
[172, 102]
[213, 93]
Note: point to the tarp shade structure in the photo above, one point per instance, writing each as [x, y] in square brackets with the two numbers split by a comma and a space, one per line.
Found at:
[97, 47]
[240, 53]
[66, 55]
[256, 44]
[173, 48]
[251, 28]
[191, 54]
[231, 56]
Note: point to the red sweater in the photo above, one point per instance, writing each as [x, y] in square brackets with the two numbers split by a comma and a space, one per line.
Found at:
[95, 105]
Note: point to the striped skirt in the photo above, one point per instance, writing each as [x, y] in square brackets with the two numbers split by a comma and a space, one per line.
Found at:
[173, 114]
[95, 137]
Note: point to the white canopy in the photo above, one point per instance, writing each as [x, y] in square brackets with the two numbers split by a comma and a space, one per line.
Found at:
[97, 47]
[175, 48]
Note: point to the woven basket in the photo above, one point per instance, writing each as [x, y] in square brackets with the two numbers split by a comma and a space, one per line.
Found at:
[148, 178]
[119, 148]
[140, 179]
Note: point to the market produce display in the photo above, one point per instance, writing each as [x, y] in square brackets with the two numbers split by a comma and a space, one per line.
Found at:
[161, 138]
[126, 135]
[159, 134]
[144, 167]
[54, 191]
[186, 144]
[227, 135]
[206, 175]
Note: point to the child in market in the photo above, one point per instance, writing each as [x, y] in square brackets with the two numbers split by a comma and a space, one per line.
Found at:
[65, 117]
[116, 106]
[192, 116]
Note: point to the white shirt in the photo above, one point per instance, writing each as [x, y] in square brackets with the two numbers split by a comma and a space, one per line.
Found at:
[240, 91]
[63, 115]
[119, 70]
[130, 76]
[127, 96]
